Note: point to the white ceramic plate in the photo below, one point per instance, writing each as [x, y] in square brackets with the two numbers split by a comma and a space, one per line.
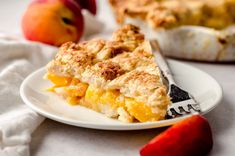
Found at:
[33, 91]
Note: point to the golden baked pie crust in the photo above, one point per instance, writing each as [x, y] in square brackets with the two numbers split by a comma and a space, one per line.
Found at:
[117, 77]
[172, 13]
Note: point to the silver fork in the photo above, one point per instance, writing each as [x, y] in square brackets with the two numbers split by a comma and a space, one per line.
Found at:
[182, 102]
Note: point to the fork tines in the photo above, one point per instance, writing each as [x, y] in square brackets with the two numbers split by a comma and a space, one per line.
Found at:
[182, 103]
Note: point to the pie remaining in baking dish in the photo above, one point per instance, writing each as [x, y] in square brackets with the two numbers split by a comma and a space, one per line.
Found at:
[172, 13]
[116, 77]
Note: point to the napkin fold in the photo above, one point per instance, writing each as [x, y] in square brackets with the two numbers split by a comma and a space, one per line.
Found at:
[18, 58]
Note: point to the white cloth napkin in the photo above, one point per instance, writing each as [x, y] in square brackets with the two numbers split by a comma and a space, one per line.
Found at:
[18, 58]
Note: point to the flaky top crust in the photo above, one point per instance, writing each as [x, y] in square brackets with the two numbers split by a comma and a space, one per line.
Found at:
[124, 63]
[172, 13]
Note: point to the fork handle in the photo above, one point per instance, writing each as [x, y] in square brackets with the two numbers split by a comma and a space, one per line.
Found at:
[162, 63]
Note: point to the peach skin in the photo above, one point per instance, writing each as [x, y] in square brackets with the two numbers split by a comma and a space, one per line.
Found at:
[90, 5]
[53, 21]
[189, 137]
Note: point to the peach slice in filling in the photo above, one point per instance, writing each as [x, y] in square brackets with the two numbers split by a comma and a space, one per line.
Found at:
[105, 101]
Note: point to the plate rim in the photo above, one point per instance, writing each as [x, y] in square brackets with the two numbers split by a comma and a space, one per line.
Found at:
[113, 126]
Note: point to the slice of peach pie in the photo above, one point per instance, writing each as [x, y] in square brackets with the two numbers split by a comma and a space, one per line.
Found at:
[118, 78]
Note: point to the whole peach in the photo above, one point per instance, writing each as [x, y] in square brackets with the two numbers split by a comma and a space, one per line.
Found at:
[53, 21]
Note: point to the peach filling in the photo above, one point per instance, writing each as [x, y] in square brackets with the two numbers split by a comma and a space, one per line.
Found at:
[97, 99]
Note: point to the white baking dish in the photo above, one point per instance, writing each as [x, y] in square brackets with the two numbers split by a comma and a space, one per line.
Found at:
[193, 42]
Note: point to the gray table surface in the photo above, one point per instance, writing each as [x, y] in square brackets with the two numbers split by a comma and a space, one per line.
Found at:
[53, 138]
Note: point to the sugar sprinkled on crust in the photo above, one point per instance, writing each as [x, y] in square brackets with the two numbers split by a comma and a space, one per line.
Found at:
[172, 13]
[124, 63]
